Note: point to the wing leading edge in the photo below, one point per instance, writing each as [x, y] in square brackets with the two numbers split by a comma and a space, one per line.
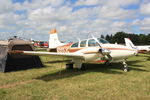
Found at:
[51, 54]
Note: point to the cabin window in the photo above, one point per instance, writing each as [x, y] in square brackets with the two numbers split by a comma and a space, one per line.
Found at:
[75, 45]
[83, 43]
[92, 43]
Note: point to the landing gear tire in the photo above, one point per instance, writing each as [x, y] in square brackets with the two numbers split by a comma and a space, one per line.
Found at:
[69, 66]
[107, 63]
[125, 70]
[83, 67]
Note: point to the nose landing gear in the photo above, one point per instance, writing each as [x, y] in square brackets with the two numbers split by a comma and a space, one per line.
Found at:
[125, 69]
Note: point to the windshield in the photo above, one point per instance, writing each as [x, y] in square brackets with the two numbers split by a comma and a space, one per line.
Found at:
[92, 43]
[103, 41]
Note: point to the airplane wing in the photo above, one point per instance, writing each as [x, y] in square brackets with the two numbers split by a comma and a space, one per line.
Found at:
[51, 54]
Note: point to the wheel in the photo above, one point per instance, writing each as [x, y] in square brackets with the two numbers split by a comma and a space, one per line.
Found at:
[125, 69]
[83, 67]
[69, 66]
[107, 63]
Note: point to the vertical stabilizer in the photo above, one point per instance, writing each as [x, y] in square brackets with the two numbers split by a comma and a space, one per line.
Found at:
[129, 43]
[53, 39]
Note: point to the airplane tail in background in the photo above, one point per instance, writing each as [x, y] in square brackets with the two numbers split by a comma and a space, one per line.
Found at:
[129, 43]
[53, 39]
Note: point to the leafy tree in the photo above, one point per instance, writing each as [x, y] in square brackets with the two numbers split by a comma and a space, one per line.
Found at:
[137, 39]
[102, 36]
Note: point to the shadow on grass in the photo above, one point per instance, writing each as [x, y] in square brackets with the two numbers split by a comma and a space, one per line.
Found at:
[134, 63]
[135, 66]
[144, 55]
[57, 61]
[113, 69]
[148, 58]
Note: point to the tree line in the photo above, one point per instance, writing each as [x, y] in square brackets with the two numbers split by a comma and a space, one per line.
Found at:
[137, 39]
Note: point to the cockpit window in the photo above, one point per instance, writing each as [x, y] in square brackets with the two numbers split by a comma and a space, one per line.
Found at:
[92, 43]
[83, 43]
[103, 41]
[75, 45]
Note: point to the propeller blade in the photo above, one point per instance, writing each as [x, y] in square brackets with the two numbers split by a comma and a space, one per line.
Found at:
[105, 52]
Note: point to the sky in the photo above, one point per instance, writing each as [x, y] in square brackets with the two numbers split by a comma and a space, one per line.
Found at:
[73, 19]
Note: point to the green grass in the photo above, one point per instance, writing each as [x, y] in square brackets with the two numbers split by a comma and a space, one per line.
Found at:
[98, 82]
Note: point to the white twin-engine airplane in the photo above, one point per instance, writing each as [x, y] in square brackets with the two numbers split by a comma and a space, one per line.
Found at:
[92, 50]
[141, 49]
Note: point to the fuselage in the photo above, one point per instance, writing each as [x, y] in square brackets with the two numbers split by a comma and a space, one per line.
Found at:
[89, 48]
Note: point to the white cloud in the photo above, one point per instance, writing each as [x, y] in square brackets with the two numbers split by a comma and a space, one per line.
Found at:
[107, 16]
[116, 13]
[6, 6]
[8, 21]
[145, 9]
[118, 24]
[143, 24]
[118, 3]
[51, 14]
[89, 2]
[36, 4]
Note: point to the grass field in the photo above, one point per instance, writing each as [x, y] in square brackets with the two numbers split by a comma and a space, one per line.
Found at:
[98, 82]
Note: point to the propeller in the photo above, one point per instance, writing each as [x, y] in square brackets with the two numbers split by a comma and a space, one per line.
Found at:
[105, 52]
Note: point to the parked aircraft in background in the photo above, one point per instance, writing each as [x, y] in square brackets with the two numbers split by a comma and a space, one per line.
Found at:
[92, 50]
[42, 44]
[141, 49]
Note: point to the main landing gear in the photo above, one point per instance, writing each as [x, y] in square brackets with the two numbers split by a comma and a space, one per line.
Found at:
[69, 66]
[81, 66]
[125, 69]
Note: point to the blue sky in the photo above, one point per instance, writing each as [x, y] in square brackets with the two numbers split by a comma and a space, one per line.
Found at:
[80, 18]
[20, 1]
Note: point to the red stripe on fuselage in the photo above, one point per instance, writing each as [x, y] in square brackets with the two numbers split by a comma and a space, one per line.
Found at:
[71, 50]
[66, 45]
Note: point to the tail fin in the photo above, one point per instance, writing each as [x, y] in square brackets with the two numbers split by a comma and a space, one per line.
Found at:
[53, 39]
[129, 43]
